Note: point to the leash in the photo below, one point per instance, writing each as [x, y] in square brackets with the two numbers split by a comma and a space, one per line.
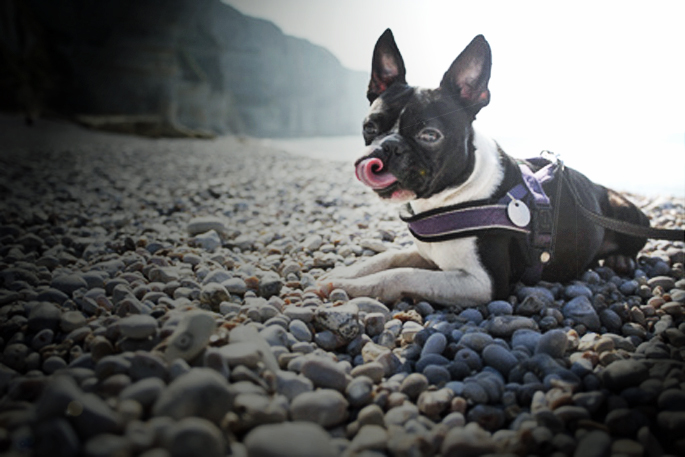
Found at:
[619, 226]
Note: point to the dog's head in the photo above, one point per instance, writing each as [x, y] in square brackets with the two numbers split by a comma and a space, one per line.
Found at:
[419, 141]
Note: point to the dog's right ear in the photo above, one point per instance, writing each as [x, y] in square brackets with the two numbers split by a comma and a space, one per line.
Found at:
[387, 67]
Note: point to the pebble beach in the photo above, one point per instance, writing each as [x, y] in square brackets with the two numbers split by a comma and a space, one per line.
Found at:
[159, 297]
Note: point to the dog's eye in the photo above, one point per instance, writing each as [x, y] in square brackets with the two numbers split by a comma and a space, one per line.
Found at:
[429, 135]
[370, 128]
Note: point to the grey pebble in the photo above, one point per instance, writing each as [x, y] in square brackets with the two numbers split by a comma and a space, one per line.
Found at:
[435, 344]
[581, 311]
[300, 330]
[476, 341]
[553, 342]
[290, 439]
[413, 385]
[200, 392]
[526, 338]
[146, 391]
[595, 443]
[325, 407]
[624, 373]
[505, 326]
[470, 440]
[359, 391]
[106, 445]
[139, 326]
[499, 358]
[292, 384]
[325, 373]
[195, 436]
[69, 283]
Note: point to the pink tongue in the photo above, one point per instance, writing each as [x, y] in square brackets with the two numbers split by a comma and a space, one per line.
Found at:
[370, 172]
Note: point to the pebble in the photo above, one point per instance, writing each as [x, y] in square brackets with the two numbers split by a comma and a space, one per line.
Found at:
[325, 407]
[138, 326]
[194, 435]
[200, 392]
[499, 358]
[553, 343]
[580, 310]
[325, 373]
[624, 373]
[289, 439]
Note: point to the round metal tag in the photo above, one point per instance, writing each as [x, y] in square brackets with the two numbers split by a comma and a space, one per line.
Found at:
[518, 213]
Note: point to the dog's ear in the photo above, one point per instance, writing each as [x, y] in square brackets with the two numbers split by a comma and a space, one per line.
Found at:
[387, 67]
[468, 76]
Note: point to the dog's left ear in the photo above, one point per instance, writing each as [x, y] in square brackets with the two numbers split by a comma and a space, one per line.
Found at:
[387, 67]
[468, 76]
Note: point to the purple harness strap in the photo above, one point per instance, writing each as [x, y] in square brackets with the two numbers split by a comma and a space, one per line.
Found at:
[470, 219]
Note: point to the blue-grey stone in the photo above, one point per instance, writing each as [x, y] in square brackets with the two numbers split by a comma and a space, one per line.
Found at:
[499, 358]
[580, 310]
[553, 343]
[435, 344]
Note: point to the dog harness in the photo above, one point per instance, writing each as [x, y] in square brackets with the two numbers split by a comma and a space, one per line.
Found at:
[525, 211]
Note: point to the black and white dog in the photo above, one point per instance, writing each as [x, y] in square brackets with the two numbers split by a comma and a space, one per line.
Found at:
[422, 150]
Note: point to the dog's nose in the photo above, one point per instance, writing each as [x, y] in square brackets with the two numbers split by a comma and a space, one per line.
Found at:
[393, 144]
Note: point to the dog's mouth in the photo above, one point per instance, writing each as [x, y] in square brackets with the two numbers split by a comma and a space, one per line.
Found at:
[371, 173]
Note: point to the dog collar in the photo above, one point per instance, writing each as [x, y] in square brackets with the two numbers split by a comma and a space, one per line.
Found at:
[525, 211]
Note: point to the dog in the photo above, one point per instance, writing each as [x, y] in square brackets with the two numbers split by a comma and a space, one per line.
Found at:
[423, 151]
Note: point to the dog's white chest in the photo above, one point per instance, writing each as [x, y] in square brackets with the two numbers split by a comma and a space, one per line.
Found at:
[460, 254]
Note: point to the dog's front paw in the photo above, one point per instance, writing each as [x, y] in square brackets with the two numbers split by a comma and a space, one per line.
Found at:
[366, 286]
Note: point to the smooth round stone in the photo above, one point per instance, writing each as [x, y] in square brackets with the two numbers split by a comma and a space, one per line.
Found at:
[437, 375]
[430, 359]
[241, 353]
[470, 358]
[44, 315]
[235, 286]
[621, 374]
[500, 308]
[596, 443]
[611, 320]
[69, 283]
[146, 365]
[472, 315]
[413, 385]
[289, 439]
[209, 240]
[499, 358]
[203, 224]
[52, 295]
[291, 384]
[326, 407]
[672, 400]
[553, 343]
[370, 438]
[373, 370]
[476, 341]
[106, 445]
[200, 392]
[474, 392]
[138, 326]
[217, 276]
[56, 434]
[370, 305]
[581, 311]
[325, 373]
[300, 330]
[629, 287]
[359, 391]
[52, 364]
[399, 415]
[505, 326]
[146, 391]
[42, 338]
[577, 290]
[525, 338]
[470, 440]
[195, 436]
[665, 282]
[489, 417]
[435, 344]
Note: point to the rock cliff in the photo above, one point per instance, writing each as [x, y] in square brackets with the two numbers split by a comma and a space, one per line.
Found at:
[172, 67]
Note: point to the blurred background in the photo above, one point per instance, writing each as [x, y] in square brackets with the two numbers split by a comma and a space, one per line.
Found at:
[600, 83]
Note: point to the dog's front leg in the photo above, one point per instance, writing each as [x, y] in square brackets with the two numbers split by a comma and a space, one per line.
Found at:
[387, 260]
[456, 287]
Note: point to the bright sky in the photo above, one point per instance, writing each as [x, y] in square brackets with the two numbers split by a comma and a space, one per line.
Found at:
[599, 81]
